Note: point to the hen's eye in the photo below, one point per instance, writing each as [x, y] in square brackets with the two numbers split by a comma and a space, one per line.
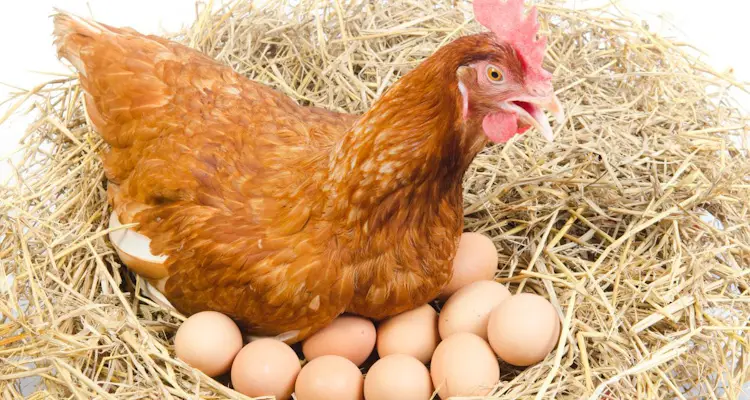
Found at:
[494, 74]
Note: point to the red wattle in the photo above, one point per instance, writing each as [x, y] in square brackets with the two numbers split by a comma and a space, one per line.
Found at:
[500, 127]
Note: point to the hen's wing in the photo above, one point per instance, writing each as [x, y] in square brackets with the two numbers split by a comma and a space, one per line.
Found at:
[217, 170]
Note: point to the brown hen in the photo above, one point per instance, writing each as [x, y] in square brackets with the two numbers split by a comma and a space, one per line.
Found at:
[282, 216]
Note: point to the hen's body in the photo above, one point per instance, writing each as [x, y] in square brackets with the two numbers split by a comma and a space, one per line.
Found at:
[277, 215]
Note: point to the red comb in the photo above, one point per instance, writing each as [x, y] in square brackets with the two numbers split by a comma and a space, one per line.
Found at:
[505, 19]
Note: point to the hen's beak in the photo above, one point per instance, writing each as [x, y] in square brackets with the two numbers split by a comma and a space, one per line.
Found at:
[530, 110]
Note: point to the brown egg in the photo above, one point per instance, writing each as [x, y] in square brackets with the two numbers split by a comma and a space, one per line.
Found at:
[265, 367]
[413, 333]
[208, 341]
[468, 310]
[464, 365]
[475, 260]
[329, 378]
[347, 336]
[523, 329]
[398, 376]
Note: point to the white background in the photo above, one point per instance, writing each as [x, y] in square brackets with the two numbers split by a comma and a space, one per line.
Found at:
[718, 27]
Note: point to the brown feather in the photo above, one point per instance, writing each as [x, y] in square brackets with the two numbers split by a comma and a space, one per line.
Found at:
[278, 215]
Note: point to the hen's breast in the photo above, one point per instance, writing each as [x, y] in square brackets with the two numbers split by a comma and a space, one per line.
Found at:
[408, 261]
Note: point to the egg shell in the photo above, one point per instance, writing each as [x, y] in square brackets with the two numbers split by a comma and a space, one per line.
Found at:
[398, 376]
[468, 310]
[475, 260]
[464, 365]
[265, 367]
[523, 329]
[347, 336]
[329, 378]
[414, 333]
[208, 341]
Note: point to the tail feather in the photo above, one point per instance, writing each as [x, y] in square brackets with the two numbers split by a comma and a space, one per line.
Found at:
[71, 33]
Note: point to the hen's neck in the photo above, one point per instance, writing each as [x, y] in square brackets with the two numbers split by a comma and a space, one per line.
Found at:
[405, 155]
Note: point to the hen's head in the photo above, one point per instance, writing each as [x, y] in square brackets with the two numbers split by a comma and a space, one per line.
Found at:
[501, 81]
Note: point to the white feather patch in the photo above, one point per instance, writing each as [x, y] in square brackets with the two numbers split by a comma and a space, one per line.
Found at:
[465, 97]
[132, 242]
[157, 296]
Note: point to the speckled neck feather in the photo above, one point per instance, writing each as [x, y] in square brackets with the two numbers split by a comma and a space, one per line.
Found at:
[413, 144]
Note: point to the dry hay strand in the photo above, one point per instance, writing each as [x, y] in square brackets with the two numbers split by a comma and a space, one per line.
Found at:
[633, 223]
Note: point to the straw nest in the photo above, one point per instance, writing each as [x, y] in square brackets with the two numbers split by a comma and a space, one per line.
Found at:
[633, 223]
